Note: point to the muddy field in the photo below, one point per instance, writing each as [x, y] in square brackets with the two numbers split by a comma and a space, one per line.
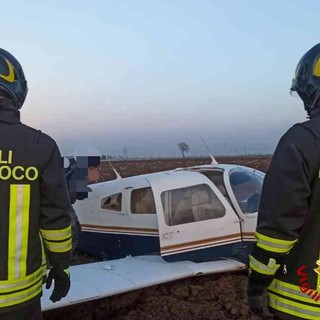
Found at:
[215, 297]
[128, 168]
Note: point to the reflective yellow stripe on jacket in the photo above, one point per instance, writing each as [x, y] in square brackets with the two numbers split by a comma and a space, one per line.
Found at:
[57, 240]
[44, 259]
[305, 305]
[292, 291]
[18, 230]
[273, 244]
[19, 287]
[10, 299]
[20, 290]
[260, 267]
[292, 307]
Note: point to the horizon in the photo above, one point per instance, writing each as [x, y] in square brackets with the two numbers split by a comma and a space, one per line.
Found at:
[108, 157]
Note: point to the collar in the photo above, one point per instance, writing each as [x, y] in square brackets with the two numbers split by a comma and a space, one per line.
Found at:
[8, 112]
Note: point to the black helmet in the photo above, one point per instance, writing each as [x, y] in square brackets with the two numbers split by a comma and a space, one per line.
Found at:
[12, 81]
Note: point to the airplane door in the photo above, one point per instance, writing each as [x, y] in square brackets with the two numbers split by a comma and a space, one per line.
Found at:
[195, 221]
[244, 187]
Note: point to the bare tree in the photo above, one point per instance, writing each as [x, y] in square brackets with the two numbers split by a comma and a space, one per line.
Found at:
[183, 148]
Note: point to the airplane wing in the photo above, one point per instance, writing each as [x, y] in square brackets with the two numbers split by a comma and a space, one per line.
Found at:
[103, 279]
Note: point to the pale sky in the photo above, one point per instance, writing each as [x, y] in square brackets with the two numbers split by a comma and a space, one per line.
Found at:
[148, 74]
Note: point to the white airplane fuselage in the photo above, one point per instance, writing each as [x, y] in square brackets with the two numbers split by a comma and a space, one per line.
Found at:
[201, 213]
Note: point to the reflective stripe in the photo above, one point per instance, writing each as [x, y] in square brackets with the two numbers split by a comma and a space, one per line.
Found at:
[44, 260]
[262, 268]
[294, 308]
[67, 272]
[25, 229]
[61, 234]
[18, 230]
[57, 240]
[273, 244]
[293, 291]
[12, 232]
[19, 284]
[44, 270]
[318, 275]
[18, 235]
[63, 246]
[20, 296]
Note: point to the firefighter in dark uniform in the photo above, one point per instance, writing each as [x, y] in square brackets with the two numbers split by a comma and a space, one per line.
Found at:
[286, 255]
[34, 206]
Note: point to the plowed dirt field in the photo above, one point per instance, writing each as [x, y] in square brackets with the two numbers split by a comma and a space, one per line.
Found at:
[215, 297]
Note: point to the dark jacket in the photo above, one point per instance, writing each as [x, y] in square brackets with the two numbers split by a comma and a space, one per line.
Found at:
[34, 210]
[288, 231]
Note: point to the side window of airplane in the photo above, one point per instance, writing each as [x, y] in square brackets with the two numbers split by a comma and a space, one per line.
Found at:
[247, 188]
[191, 204]
[142, 201]
[112, 203]
[217, 178]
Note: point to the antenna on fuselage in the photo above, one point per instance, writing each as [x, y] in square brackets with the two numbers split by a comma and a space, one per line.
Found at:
[115, 171]
[213, 160]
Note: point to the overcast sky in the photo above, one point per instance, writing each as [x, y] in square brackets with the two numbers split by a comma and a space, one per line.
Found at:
[146, 75]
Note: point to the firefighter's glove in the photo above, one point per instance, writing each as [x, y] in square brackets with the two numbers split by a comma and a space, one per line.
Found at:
[61, 283]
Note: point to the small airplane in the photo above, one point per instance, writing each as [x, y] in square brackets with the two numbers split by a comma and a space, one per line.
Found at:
[158, 227]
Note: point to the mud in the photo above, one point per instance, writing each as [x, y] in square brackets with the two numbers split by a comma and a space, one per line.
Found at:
[215, 297]
[128, 168]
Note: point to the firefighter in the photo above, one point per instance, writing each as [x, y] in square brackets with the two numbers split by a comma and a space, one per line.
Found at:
[34, 206]
[285, 257]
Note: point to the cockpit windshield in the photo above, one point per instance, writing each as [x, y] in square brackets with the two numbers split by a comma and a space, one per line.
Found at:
[246, 187]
